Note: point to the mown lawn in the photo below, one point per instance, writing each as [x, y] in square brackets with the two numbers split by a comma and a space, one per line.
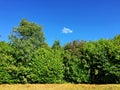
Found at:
[59, 87]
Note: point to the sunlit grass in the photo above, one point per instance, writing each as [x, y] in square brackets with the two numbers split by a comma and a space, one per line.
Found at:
[59, 87]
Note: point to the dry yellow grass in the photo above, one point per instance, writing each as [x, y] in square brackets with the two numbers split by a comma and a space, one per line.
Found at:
[59, 87]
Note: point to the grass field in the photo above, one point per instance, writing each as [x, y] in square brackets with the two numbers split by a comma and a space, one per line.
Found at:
[59, 87]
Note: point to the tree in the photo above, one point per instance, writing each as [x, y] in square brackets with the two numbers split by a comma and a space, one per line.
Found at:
[75, 68]
[26, 38]
[28, 31]
[47, 67]
[93, 54]
[6, 61]
[56, 45]
[113, 55]
[103, 60]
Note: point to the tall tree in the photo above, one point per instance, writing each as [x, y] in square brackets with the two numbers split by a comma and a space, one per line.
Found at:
[75, 68]
[26, 38]
[28, 31]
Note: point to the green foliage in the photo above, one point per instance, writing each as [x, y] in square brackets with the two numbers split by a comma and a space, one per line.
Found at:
[103, 59]
[26, 38]
[75, 67]
[47, 67]
[27, 34]
[56, 45]
[6, 60]
[29, 59]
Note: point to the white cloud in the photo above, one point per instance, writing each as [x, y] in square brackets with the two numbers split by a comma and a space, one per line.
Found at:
[66, 30]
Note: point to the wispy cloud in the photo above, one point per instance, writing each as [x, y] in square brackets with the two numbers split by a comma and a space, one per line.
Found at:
[66, 30]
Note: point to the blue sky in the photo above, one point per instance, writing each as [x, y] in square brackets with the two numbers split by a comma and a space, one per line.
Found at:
[64, 20]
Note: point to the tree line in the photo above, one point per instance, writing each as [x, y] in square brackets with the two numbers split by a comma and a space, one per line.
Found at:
[27, 58]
